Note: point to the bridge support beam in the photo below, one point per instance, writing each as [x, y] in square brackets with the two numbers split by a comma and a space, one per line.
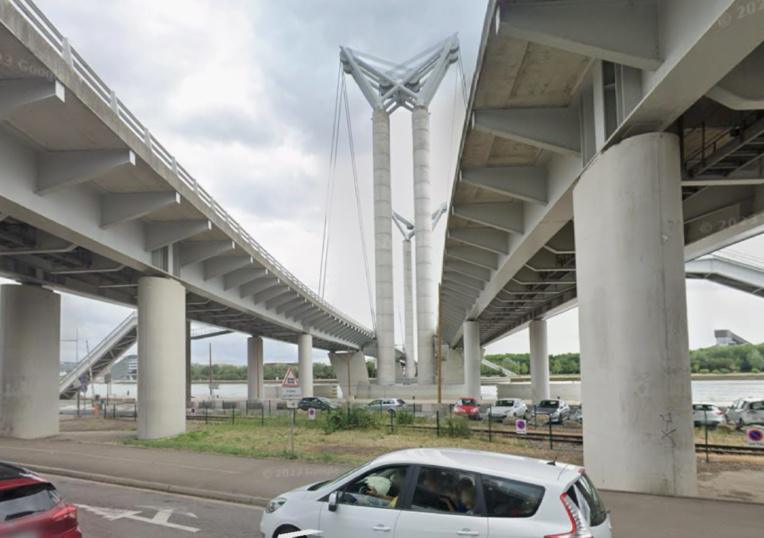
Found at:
[539, 361]
[383, 248]
[305, 356]
[425, 280]
[408, 310]
[29, 361]
[472, 356]
[351, 371]
[161, 357]
[255, 378]
[633, 319]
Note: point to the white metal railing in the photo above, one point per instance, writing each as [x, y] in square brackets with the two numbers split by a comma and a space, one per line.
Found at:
[103, 347]
[61, 45]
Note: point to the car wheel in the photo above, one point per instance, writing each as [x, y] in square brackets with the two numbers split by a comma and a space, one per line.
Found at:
[284, 529]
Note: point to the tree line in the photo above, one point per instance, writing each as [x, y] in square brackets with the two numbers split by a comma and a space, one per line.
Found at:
[745, 358]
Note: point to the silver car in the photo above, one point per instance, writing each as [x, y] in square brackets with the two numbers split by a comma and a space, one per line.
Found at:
[706, 414]
[387, 404]
[508, 408]
[746, 411]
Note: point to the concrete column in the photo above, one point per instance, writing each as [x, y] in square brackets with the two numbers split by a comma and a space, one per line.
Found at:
[383, 248]
[305, 357]
[472, 356]
[539, 361]
[408, 301]
[255, 378]
[161, 357]
[30, 342]
[635, 367]
[453, 366]
[350, 369]
[425, 282]
[188, 364]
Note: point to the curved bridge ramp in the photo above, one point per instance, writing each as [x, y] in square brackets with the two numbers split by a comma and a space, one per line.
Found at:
[106, 353]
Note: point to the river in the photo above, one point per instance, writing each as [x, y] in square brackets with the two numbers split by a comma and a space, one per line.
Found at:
[715, 391]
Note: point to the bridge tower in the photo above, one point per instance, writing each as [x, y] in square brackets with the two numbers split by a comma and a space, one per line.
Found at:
[387, 87]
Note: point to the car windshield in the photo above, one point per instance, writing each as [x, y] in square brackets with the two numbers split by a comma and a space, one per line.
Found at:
[467, 401]
[26, 500]
[549, 403]
[505, 403]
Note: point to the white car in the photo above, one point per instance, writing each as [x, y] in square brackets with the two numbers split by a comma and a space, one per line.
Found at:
[508, 408]
[745, 412]
[707, 414]
[434, 493]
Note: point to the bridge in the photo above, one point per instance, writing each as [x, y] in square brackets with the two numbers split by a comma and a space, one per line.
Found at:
[610, 148]
[606, 144]
[92, 203]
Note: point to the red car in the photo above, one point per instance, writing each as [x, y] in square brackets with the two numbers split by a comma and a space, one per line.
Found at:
[467, 407]
[31, 506]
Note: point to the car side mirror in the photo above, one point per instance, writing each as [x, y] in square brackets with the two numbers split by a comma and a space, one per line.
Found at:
[334, 501]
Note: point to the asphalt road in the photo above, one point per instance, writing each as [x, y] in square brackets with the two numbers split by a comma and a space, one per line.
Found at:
[107, 511]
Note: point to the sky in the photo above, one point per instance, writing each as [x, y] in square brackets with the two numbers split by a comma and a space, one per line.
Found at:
[242, 93]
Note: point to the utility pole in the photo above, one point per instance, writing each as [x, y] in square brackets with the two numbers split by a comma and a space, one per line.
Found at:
[387, 87]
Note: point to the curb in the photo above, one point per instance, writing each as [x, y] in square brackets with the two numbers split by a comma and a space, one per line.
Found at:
[236, 498]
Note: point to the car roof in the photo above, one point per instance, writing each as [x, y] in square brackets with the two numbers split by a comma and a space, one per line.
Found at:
[488, 463]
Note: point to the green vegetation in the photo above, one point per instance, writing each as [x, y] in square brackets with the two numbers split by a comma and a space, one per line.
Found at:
[747, 358]
[356, 418]
[457, 427]
[271, 371]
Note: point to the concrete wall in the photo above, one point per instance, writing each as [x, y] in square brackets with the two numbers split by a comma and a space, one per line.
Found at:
[566, 390]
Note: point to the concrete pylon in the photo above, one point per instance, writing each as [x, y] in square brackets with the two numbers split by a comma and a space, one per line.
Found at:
[635, 367]
[539, 360]
[188, 364]
[472, 358]
[305, 357]
[383, 248]
[425, 280]
[408, 303]
[161, 357]
[30, 342]
[255, 378]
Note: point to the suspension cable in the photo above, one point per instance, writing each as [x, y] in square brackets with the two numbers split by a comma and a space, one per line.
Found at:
[330, 188]
[464, 80]
[361, 228]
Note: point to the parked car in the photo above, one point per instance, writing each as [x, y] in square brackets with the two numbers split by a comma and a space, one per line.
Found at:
[442, 493]
[30, 506]
[557, 410]
[746, 411]
[389, 404]
[508, 408]
[316, 402]
[707, 414]
[468, 408]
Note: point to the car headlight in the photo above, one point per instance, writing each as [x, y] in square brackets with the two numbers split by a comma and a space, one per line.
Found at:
[275, 504]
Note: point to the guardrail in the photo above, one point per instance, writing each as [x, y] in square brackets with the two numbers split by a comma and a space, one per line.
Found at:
[61, 45]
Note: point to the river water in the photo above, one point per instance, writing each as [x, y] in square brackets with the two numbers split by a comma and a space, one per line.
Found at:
[715, 391]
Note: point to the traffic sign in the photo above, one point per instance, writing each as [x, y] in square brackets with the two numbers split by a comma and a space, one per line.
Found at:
[312, 413]
[521, 426]
[292, 404]
[290, 380]
[291, 393]
[755, 436]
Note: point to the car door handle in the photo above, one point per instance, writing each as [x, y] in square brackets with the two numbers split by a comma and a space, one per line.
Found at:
[467, 532]
[381, 528]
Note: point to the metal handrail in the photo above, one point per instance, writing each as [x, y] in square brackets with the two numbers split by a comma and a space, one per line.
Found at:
[29, 10]
[108, 341]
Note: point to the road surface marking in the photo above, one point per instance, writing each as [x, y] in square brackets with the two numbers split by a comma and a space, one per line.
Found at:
[161, 518]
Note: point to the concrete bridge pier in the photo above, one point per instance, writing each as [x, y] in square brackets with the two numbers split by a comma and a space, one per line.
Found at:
[161, 357]
[472, 356]
[351, 371]
[539, 360]
[305, 355]
[255, 376]
[30, 326]
[635, 367]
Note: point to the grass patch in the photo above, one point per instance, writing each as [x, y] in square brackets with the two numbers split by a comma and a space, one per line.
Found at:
[348, 447]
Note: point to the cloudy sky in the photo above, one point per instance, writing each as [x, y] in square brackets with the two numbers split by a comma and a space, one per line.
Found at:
[242, 92]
